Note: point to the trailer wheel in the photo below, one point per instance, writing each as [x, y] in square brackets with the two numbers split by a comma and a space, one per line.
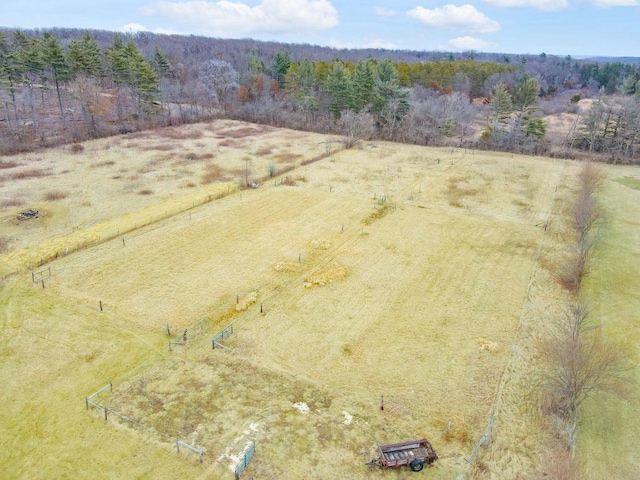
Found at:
[416, 466]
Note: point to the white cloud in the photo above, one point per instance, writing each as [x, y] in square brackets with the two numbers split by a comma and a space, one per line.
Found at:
[235, 19]
[384, 12]
[553, 5]
[467, 43]
[369, 42]
[136, 27]
[615, 3]
[465, 18]
[550, 5]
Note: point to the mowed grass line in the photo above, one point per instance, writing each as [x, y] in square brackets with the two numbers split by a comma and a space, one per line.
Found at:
[609, 424]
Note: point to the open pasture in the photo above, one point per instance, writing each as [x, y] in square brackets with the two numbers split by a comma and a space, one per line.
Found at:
[388, 271]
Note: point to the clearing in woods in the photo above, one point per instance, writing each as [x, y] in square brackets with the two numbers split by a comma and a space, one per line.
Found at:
[389, 271]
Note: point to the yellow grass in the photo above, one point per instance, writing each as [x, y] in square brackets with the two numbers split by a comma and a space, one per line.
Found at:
[420, 305]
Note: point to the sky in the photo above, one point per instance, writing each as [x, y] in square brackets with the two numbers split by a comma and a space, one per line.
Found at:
[556, 27]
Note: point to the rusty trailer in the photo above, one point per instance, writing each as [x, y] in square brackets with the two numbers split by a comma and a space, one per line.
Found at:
[416, 454]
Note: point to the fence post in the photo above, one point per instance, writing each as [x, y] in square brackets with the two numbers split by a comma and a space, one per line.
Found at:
[105, 414]
[111, 386]
[86, 401]
[178, 445]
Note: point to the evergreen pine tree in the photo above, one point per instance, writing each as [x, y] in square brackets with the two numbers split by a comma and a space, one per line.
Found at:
[56, 64]
[362, 80]
[338, 88]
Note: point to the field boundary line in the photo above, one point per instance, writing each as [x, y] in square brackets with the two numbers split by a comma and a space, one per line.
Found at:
[497, 405]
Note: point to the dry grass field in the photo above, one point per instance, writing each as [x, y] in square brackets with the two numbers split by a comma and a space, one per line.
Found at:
[421, 275]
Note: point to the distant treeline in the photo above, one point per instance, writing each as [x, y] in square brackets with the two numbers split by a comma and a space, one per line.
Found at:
[66, 85]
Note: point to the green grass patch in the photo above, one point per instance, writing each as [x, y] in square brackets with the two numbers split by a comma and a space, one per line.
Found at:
[630, 182]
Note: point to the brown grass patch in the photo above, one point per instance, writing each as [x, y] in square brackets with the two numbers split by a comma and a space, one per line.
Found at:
[291, 181]
[228, 142]
[261, 152]
[456, 193]
[26, 174]
[315, 159]
[380, 211]
[181, 133]
[213, 173]
[8, 164]
[191, 156]
[12, 202]
[76, 148]
[106, 163]
[163, 147]
[286, 157]
[326, 275]
[4, 244]
[54, 195]
[243, 132]
[145, 191]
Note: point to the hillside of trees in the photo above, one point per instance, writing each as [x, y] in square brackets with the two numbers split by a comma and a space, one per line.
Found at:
[66, 85]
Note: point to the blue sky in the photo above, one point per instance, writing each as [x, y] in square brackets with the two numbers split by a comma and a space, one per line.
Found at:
[559, 27]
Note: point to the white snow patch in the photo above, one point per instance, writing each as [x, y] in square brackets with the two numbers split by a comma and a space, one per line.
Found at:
[347, 418]
[301, 407]
[253, 427]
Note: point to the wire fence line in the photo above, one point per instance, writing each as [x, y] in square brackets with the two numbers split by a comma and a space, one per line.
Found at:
[110, 411]
[504, 378]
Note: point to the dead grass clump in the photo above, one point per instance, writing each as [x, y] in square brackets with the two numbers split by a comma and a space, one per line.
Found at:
[106, 163]
[194, 156]
[8, 164]
[488, 346]
[54, 195]
[12, 202]
[480, 470]
[4, 244]
[286, 267]
[291, 181]
[181, 133]
[326, 275]
[457, 430]
[241, 132]
[213, 173]
[263, 152]
[456, 193]
[165, 147]
[379, 212]
[145, 191]
[27, 174]
[287, 157]
[227, 142]
[189, 185]
[76, 148]
[321, 244]
[246, 302]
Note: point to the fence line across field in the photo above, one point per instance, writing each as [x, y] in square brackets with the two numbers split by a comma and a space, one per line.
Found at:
[215, 341]
[495, 409]
[107, 410]
[190, 447]
[37, 277]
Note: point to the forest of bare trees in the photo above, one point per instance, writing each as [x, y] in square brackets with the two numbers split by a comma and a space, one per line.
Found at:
[67, 85]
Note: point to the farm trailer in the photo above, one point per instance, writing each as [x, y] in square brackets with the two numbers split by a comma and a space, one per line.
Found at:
[414, 453]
